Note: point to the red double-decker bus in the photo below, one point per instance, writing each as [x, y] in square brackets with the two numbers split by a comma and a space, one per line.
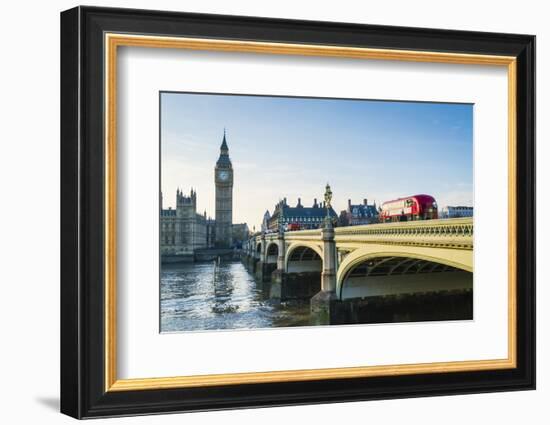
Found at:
[416, 207]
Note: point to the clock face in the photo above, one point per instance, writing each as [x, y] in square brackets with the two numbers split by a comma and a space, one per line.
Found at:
[223, 175]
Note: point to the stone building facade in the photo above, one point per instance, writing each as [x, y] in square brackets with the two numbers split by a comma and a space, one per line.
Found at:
[302, 217]
[240, 233]
[357, 214]
[183, 230]
[450, 211]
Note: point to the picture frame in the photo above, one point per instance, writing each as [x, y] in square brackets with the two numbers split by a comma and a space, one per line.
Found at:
[90, 40]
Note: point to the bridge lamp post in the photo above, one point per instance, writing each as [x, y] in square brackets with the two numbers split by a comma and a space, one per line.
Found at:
[278, 277]
[281, 250]
[328, 199]
[324, 303]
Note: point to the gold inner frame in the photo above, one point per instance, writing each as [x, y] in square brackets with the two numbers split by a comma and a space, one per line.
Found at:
[113, 41]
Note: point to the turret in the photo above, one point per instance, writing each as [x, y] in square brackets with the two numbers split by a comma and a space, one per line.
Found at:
[223, 160]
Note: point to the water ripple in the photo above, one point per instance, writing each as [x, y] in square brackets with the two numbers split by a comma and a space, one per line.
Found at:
[200, 296]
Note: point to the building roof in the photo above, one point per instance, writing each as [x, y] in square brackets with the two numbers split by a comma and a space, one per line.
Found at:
[307, 212]
[302, 212]
[464, 207]
[363, 211]
[243, 225]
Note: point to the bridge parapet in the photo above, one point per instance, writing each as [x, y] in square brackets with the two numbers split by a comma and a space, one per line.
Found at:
[449, 233]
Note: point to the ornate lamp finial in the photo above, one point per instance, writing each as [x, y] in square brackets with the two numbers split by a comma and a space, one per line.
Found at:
[328, 197]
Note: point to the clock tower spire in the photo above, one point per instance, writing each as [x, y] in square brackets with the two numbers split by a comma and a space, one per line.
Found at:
[223, 179]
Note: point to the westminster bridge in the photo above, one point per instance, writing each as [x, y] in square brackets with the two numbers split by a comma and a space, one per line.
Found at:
[343, 269]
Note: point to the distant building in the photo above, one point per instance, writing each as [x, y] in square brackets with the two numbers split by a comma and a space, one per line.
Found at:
[265, 221]
[240, 233]
[210, 232]
[357, 214]
[299, 216]
[183, 230]
[456, 211]
[343, 220]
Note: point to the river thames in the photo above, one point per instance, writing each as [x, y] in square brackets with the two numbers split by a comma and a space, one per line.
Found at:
[205, 296]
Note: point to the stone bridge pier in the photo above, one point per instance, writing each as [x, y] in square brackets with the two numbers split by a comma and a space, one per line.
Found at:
[278, 275]
[265, 259]
[261, 251]
[251, 257]
[325, 305]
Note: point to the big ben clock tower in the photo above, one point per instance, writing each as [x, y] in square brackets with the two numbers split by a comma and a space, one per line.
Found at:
[223, 178]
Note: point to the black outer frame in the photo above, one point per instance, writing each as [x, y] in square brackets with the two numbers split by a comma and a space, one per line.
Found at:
[82, 206]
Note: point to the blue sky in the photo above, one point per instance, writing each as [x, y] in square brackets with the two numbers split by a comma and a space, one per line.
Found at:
[291, 147]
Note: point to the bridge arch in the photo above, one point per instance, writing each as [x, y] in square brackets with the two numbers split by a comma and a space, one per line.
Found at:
[258, 250]
[457, 259]
[272, 248]
[271, 252]
[303, 248]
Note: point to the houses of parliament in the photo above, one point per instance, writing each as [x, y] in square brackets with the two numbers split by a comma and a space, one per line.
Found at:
[183, 230]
